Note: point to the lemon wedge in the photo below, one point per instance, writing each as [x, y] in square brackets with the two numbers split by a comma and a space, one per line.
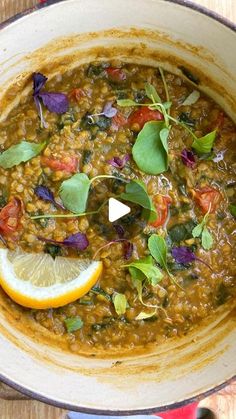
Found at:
[35, 280]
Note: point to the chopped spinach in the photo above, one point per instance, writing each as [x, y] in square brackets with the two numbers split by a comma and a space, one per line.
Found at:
[94, 70]
[187, 73]
[180, 232]
[87, 155]
[66, 119]
[185, 118]
[100, 122]
[99, 291]
[140, 96]
[3, 201]
[52, 250]
[103, 122]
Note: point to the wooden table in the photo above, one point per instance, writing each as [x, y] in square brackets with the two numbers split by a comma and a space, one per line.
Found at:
[13, 405]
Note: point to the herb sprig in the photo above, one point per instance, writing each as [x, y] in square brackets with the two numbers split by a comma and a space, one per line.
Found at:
[202, 232]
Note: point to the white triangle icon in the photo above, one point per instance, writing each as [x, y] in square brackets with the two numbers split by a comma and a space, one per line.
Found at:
[116, 210]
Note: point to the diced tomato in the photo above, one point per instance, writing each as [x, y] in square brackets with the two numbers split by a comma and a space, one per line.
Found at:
[143, 115]
[161, 203]
[66, 164]
[77, 94]
[119, 120]
[10, 216]
[115, 74]
[207, 199]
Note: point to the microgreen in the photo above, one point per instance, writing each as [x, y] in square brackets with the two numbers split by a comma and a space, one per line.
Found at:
[202, 232]
[204, 144]
[136, 192]
[73, 324]
[120, 303]
[119, 162]
[44, 193]
[144, 316]
[188, 158]
[19, 153]
[146, 267]
[232, 209]
[54, 102]
[150, 151]
[192, 98]
[185, 255]
[74, 192]
[128, 249]
[76, 241]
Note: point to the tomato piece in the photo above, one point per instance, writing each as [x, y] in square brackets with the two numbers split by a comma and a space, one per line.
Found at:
[161, 203]
[207, 199]
[115, 74]
[10, 216]
[143, 115]
[77, 94]
[66, 164]
[119, 120]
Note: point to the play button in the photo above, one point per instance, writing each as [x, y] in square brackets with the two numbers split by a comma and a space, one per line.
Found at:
[116, 210]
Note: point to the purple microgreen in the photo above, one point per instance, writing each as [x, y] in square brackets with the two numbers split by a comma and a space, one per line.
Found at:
[54, 102]
[76, 241]
[118, 162]
[119, 230]
[108, 245]
[44, 193]
[128, 250]
[108, 110]
[185, 255]
[188, 158]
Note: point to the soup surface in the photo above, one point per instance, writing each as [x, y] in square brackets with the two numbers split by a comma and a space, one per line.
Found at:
[169, 263]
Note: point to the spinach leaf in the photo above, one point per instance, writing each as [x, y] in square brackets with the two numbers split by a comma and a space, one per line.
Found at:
[232, 209]
[120, 303]
[204, 144]
[136, 192]
[52, 250]
[184, 117]
[74, 192]
[180, 232]
[87, 155]
[73, 324]
[146, 267]
[19, 153]
[150, 151]
[158, 250]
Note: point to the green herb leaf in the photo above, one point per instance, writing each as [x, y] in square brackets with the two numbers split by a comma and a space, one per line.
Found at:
[136, 192]
[150, 151]
[158, 249]
[192, 98]
[73, 324]
[207, 239]
[143, 315]
[120, 303]
[126, 103]
[74, 192]
[19, 153]
[204, 144]
[146, 267]
[232, 209]
[152, 93]
[197, 231]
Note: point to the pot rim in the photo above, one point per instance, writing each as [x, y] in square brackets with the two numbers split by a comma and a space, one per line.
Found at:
[37, 396]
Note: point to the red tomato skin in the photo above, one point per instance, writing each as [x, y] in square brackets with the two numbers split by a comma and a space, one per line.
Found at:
[208, 199]
[55, 164]
[119, 120]
[143, 115]
[77, 94]
[10, 216]
[162, 210]
[115, 74]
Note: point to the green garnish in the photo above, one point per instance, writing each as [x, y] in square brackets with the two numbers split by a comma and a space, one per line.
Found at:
[136, 192]
[73, 324]
[19, 153]
[143, 315]
[144, 268]
[150, 151]
[74, 192]
[204, 144]
[202, 232]
[120, 303]
[232, 209]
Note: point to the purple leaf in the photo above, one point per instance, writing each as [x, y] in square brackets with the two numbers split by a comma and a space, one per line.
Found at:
[185, 255]
[55, 102]
[39, 81]
[128, 249]
[119, 230]
[109, 111]
[118, 162]
[188, 158]
[43, 192]
[76, 241]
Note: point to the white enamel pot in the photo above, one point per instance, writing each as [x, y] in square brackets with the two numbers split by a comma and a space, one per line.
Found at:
[51, 38]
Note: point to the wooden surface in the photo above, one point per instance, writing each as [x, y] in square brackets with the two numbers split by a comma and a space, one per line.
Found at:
[13, 405]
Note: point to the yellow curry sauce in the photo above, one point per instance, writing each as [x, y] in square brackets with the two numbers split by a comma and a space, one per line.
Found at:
[194, 197]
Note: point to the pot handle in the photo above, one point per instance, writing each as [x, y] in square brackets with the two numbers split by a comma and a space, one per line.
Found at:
[185, 412]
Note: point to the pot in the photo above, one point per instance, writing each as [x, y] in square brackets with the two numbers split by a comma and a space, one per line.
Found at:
[51, 39]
